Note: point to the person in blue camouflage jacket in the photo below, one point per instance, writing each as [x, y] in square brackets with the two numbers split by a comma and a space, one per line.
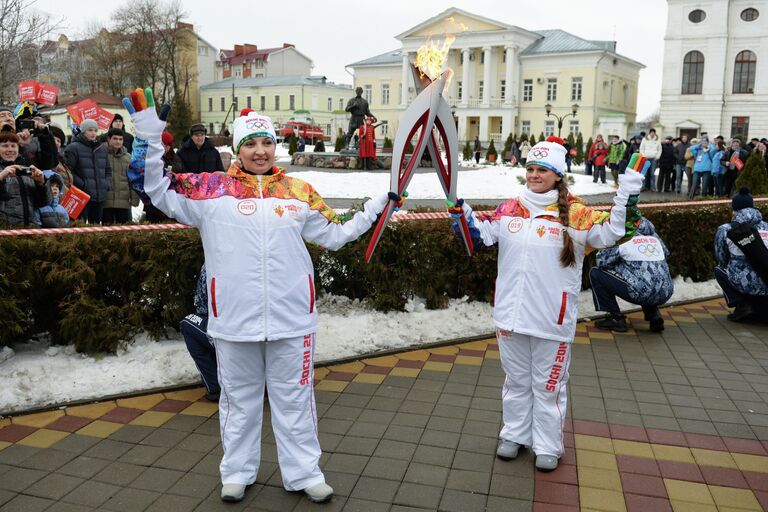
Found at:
[742, 287]
[194, 328]
[635, 271]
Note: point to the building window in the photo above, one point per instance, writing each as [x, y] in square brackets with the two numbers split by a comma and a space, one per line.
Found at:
[525, 127]
[277, 102]
[693, 72]
[330, 104]
[210, 104]
[368, 93]
[226, 66]
[750, 14]
[291, 102]
[400, 92]
[210, 128]
[263, 103]
[203, 50]
[222, 104]
[248, 102]
[459, 91]
[384, 128]
[610, 98]
[238, 72]
[744, 73]
[573, 128]
[576, 88]
[482, 57]
[341, 103]
[740, 127]
[259, 63]
[528, 90]
[480, 88]
[551, 89]
[385, 94]
[625, 88]
[503, 89]
[549, 128]
[697, 16]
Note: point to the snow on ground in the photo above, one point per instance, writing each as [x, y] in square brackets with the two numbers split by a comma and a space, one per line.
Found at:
[487, 182]
[35, 374]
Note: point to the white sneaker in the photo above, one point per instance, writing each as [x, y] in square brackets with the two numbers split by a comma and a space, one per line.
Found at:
[319, 493]
[507, 450]
[232, 492]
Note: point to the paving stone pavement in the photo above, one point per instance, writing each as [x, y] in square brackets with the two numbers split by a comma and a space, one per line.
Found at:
[676, 421]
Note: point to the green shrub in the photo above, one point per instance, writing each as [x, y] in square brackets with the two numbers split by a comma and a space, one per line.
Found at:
[387, 142]
[754, 175]
[467, 151]
[491, 151]
[293, 144]
[579, 159]
[98, 290]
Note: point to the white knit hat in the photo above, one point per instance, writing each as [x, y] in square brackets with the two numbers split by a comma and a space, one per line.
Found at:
[251, 124]
[550, 154]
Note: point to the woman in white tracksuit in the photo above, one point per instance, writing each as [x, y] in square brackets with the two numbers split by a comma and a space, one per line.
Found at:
[253, 221]
[543, 235]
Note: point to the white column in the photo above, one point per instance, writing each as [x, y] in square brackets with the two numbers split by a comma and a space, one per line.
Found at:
[484, 129]
[406, 80]
[465, 75]
[510, 75]
[486, 77]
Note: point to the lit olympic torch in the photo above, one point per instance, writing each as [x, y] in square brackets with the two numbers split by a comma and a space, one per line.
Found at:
[431, 117]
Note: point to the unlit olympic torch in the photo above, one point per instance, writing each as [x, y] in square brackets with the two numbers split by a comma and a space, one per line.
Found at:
[431, 116]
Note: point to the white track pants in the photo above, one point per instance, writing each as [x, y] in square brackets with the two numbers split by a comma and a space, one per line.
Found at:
[286, 368]
[534, 396]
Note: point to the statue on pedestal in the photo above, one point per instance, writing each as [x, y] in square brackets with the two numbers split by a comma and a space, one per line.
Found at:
[358, 108]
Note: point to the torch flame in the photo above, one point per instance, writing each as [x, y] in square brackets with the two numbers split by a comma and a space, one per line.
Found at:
[431, 57]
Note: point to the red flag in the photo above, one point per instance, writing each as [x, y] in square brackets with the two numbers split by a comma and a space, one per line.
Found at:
[28, 90]
[74, 201]
[47, 94]
[104, 118]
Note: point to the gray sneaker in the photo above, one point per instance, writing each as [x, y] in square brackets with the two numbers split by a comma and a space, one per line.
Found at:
[546, 463]
[507, 450]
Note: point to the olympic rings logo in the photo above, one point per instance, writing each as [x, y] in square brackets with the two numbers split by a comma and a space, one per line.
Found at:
[257, 124]
[648, 250]
[539, 153]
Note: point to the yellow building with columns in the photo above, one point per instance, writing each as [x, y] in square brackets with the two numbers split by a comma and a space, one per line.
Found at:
[505, 76]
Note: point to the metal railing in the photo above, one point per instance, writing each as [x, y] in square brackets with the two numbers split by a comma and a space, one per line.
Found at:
[478, 103]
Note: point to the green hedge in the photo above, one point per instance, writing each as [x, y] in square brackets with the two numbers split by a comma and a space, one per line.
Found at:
[98, 290]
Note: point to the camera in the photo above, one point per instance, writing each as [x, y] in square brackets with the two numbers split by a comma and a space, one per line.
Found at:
[22, 124]
[24, 171]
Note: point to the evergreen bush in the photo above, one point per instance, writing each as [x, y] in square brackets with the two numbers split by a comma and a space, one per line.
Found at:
[541, 137]
[97, 290]
[491, 151]
[754, 175]
[579, 159]
[507, 147]
[387, 142]
[293, 144]
[467, 151]
[320, 146]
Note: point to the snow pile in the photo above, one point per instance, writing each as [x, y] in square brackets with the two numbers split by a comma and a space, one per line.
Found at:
[485, 182]
[37, 375]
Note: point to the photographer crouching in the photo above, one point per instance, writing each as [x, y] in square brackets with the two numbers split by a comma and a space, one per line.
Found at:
[22, 187]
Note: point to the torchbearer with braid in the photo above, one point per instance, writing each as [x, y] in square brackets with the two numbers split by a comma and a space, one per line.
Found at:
[253, 222]
[543, 235]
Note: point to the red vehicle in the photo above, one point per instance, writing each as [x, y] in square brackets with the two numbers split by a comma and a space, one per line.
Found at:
[308, 132]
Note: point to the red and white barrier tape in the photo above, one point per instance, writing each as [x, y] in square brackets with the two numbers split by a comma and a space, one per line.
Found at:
[396, 217]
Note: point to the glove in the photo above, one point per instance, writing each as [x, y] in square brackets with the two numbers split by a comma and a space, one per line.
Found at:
[141, 106]
[630, 183]
[399, 200]
[455, 209]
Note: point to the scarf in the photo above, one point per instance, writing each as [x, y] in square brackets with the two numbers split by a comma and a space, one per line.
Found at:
[537, 203]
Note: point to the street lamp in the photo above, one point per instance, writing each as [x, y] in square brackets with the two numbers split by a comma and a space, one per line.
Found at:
[548, 107]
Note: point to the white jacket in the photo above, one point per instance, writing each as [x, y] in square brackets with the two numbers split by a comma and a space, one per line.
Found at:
[535, 295]
[650, 148]
[253, 228]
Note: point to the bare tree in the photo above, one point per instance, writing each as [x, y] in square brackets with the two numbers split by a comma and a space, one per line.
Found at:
[110, 70]
[22, 28]
[156, 41]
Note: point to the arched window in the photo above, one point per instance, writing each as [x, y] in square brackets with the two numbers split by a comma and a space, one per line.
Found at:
[744, 73]
[693, 72]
